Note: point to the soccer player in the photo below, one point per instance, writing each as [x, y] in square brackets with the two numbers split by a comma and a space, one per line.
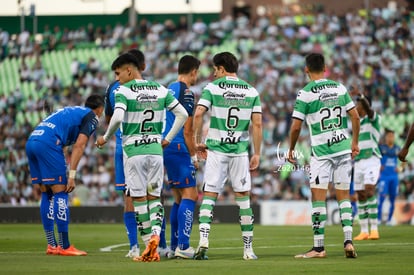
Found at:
[325, 105]
[234, 105]
[180, 161]
[45, 151]
[140, 105]
[129, 213]
[367, 169]
[388, 182]
[408, 141]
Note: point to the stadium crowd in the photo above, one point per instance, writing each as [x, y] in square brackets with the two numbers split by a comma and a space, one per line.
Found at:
[373, 51]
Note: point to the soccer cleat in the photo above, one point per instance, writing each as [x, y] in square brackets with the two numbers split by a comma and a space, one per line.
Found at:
[362, 236]
[374, 235]
[52, 250]
[150, 253]
[72, 251]
[201, 251]
[350, 251]
[184, 254]
[164, 251]
[134, 252]
[249, 255]
[311, 254]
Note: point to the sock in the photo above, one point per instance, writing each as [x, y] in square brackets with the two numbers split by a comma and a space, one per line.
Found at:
[143, 220]
[373, 212]
[156, 210]
[174, 226]
[206, 217]
[318, 223]
[185, 222]
[163, 241]
[47, 217]
[131, 228]
[345, 210]
[62, 214]
[380, 204]
[354, 208]
[246, 220]
[363, 216]
[392, 206]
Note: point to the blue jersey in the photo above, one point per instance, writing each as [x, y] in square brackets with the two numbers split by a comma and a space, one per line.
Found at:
[186, 97]
[64, 126]
[389, 159]
[110, 106]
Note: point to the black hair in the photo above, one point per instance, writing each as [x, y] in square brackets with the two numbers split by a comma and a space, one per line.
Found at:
[388, 130]
[315, 62]
[94, 101]
[227, 60]
[124, 59]
[188, 63]
[140, 58]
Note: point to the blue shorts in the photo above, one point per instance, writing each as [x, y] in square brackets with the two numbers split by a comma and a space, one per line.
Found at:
[388, 186]
[119, 168]
[180, 170]
[46, 162]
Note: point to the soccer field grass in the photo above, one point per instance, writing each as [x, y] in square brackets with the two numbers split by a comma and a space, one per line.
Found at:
[22, 251]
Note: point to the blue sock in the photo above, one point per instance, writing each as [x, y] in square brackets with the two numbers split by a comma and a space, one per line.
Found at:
[61, 210]
[354, 209]
[185, 222]
[163, 242]
[46, 214]
[131, 228]
[174, 226]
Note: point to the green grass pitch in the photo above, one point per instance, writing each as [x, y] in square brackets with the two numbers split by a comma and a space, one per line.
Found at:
[22, 251]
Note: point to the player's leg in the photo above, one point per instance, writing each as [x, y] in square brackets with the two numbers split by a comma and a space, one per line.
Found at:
[359, 172]
[393, 193]
[320, 176]
[46, 203]
[216, 169]
[129, 212]
[241, 183]
[174, 224]
[382, 194]
[370, 180]
[341, 180]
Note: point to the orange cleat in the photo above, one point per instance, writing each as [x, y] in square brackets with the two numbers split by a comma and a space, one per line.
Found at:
[52, 250]
[150, 253]
[362, 236]
[72, 251]
[374, 235]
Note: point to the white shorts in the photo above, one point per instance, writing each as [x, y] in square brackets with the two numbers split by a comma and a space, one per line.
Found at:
[144, 175]
[336, 170]
[220, 167]
[366, 171]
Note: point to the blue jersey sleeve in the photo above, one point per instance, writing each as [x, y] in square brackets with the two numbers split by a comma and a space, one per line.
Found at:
[110, 98]
[89, 124]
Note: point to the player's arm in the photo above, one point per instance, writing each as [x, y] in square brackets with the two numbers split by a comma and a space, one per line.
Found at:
[409, 140]
[353, 114]
[257, 135]
[188, 139]
[180, 118]
[114, 124]
[198, 126]
[295, 129]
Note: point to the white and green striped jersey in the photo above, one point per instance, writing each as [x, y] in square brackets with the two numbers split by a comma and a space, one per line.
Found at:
[369, 136]
[324, 104]
[232, 102]
[144, 103]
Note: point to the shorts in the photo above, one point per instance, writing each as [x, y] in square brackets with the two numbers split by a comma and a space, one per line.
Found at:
[144, 175]
[388, 185]
[46, 162]
[336, 170]
[180, 170]
[366, 171]
[220, 167]
[119, 168]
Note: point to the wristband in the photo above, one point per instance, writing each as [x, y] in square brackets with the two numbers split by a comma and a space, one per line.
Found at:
[72, 174]
[194, 158]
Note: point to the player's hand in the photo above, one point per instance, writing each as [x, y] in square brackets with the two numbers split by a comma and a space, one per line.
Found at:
[164, 143]
[402, 154]
[291, 157]
[355, 150]
[100, 142]
[201, 151]
[70, 186]
[254, 162]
